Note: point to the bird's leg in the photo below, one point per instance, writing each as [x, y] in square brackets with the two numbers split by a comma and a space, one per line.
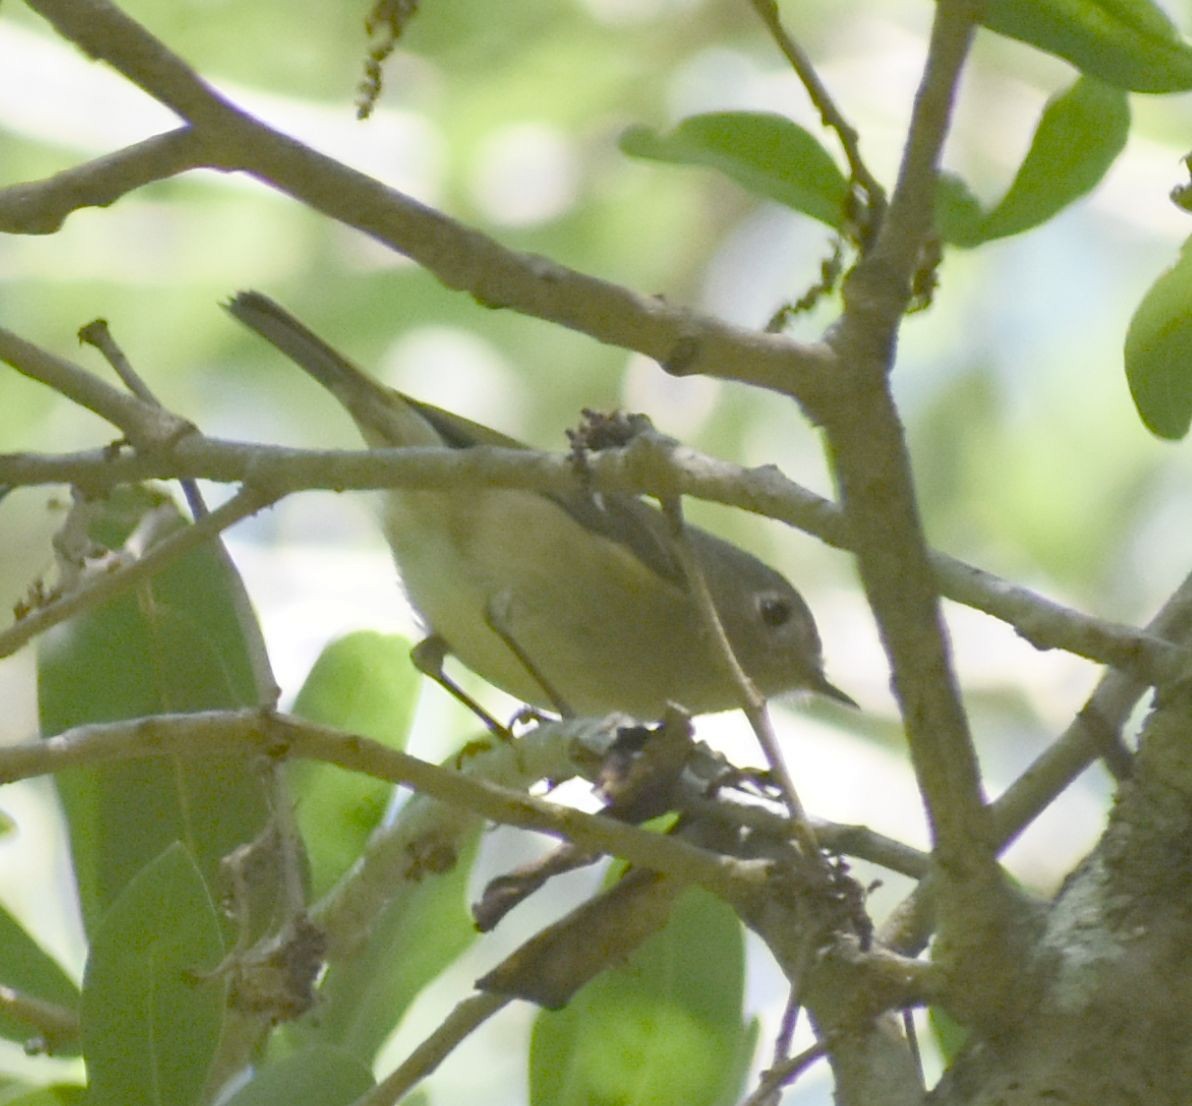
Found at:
[428, 656]
[496, 617]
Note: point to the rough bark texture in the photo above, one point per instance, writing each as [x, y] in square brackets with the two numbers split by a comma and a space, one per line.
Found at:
[1111, 981]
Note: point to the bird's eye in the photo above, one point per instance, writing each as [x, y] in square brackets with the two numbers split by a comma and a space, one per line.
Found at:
[775, 610]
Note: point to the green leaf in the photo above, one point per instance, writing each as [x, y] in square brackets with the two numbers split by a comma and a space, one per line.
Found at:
[1158, 351]
[174, 644]
[150, 1022]
[949, 1034]
[60, 1094]
[363, 683]
[1080, 134]
[25, 966]
[766, 154]
[958, 213]
[1128, 43]
[663, 1029]
[317, 1076]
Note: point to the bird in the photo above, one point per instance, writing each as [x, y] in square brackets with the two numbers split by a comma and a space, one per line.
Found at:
[575, 600]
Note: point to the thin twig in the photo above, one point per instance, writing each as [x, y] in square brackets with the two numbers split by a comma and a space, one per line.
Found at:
[99, 335]
[769, 1089]
[99, 589]
[785, 1036]
[51, 1026]
[1084, 740]
[144, 424]
[751, 700]
[464, 1020]
[830, 114]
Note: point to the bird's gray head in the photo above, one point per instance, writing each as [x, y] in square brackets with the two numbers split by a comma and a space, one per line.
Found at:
[769, 626]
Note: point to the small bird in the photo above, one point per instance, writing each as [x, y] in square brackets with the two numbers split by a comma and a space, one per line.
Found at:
[574, 601]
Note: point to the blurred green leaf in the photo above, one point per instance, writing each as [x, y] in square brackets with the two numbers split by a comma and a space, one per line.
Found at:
[150, 1024]
[766, 154]
[60, 1094]
[174, 644]
[27, 967]
[363, 683]
[958, 213]
[1158, 352]
[1080, 134]
[1181, 194]
[663, 1029]
[949, 1034]
[1128, 43]
[316, 1076]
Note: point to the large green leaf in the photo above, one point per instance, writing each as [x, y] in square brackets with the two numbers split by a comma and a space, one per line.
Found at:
[366, 684]
[1128, 43]
[174, 644]
[363, 683]
[150, 1022]
[316, 1076]
[1158, 351]
[28, 968]
[665, 1029]
[1080, 134]
[766, 154]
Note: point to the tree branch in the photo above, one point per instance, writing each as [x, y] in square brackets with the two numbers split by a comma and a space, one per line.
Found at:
[209, 733]
[146, 425]
[640, 469]
[880, 286]
[41, 207]
[50, 1026]
[878, 491]
[1083, 741]
[977, 912]
[348, 912]
[462, 258]
[468, 1015]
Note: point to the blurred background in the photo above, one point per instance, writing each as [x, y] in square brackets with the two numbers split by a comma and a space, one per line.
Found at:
[1030, 459]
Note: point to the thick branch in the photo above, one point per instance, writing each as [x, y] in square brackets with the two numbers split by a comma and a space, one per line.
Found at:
[874, 467]
[462, 258]
[978, 918]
